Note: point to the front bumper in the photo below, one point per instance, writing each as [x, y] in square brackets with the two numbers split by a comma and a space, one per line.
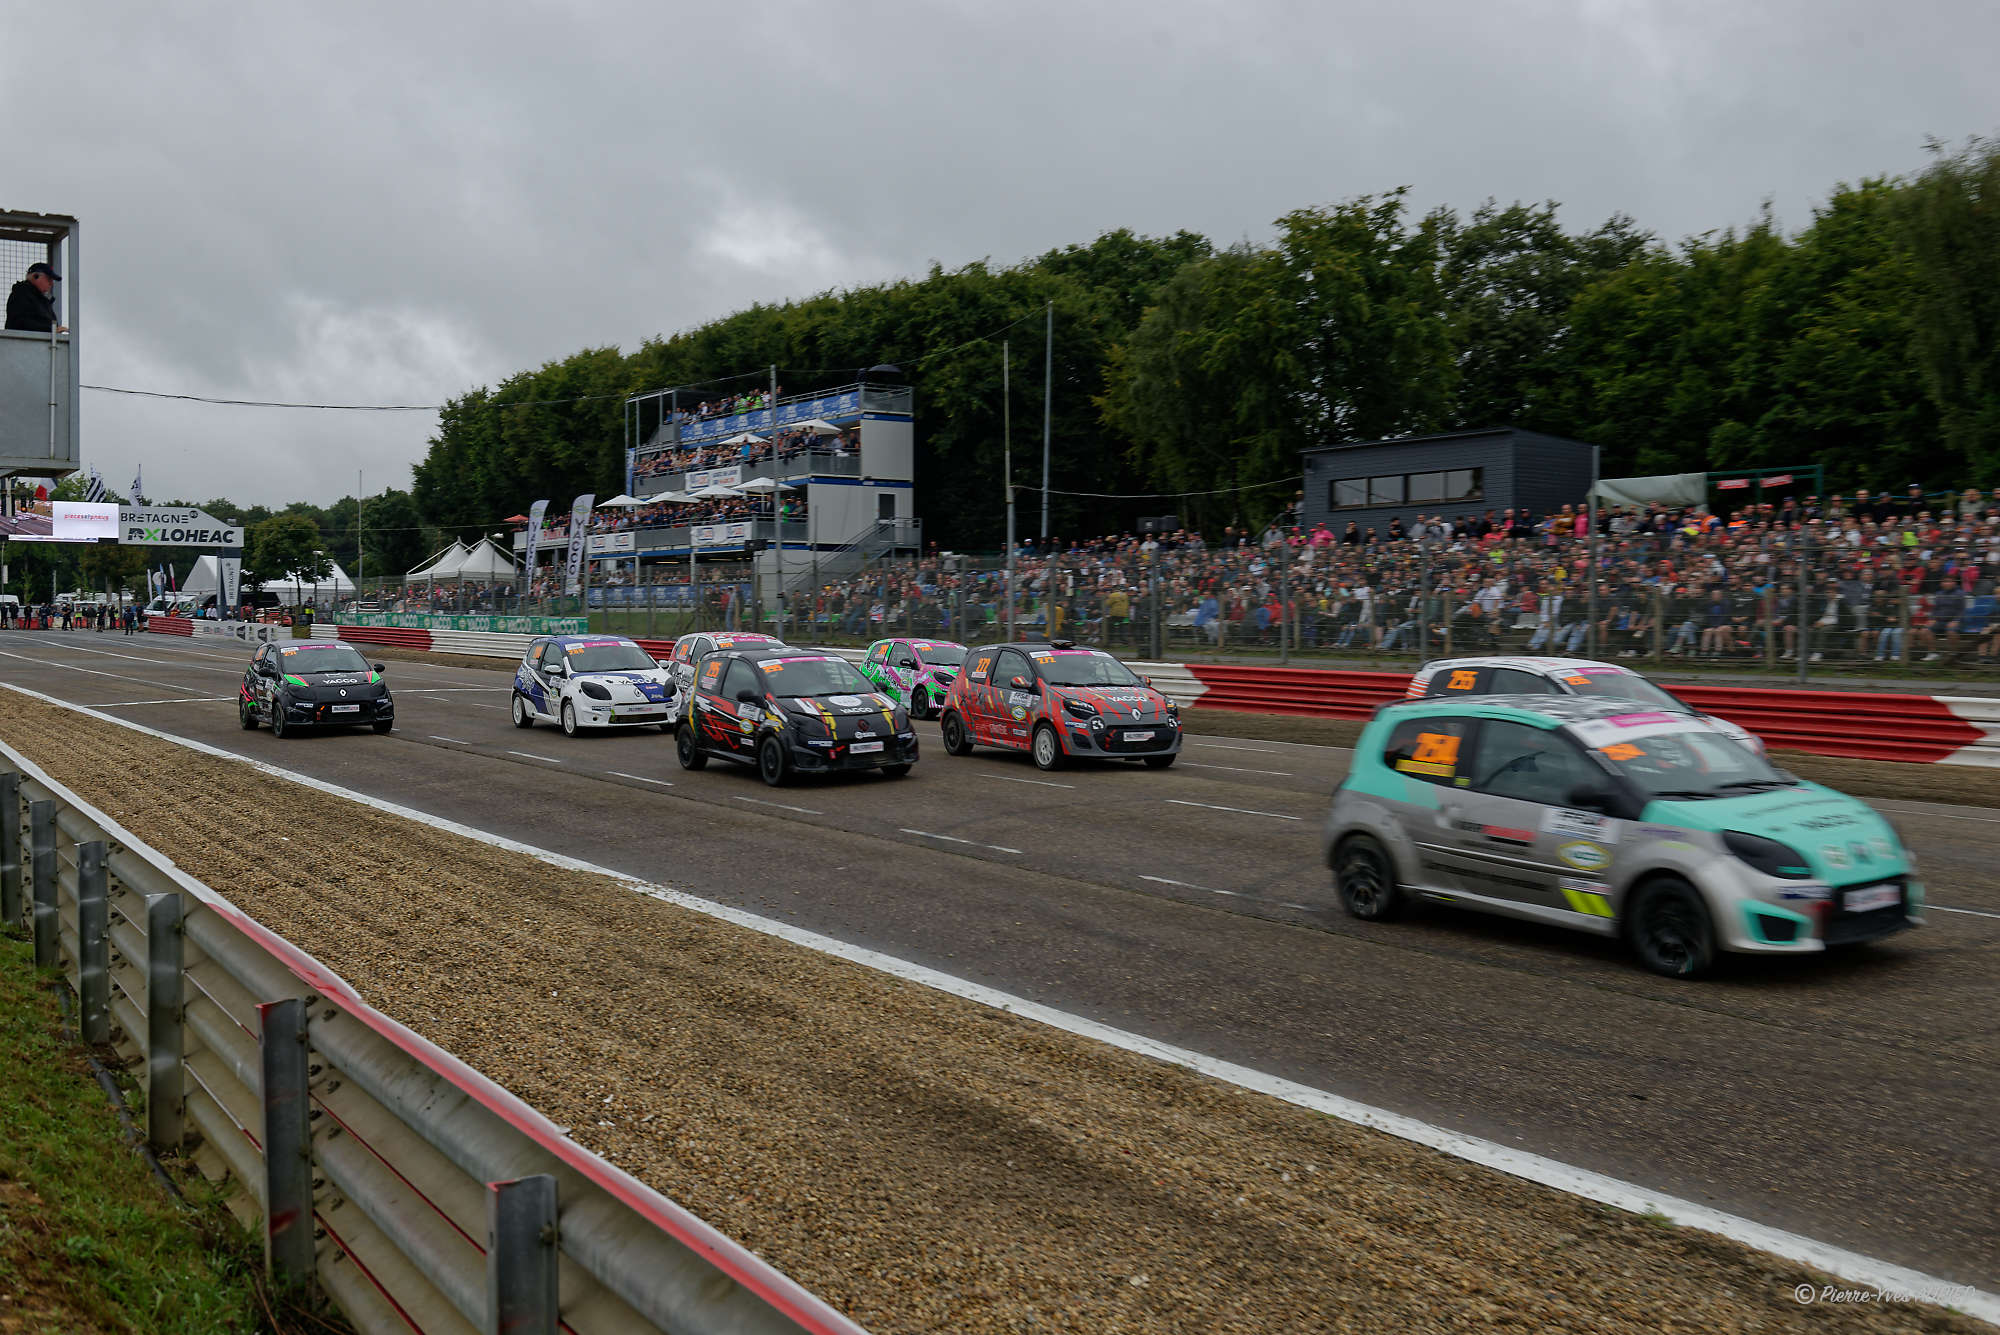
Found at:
[623, 713]
[1120, 741]
[835, 759]
[1798, 925]
[339, 713]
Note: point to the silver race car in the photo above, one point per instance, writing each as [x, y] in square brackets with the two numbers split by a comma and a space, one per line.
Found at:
[1559, 676]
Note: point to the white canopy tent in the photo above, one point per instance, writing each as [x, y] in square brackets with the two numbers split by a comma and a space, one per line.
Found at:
[485, 563]
[1662, 489]
[818, 426]
[299, 587]
[761, 484]
[745, 438]
[715, 491]
[205, 578]
[620, 502]
[442, 566]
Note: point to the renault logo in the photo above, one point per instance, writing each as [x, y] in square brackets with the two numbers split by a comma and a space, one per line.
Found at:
[343, 692]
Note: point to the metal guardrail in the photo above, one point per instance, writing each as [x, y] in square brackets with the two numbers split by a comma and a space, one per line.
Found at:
[414, 1192]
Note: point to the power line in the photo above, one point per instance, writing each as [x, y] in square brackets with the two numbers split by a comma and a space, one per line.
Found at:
[1173, 495]
[339, 407]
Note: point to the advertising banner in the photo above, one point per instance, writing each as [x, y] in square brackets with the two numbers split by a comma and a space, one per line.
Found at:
[535, 513]
[827, 407]
[83, 521]
[175, 528]
[720, 535]
[229, 569]
[579, 523]
[491, 625]
[716, 477]
[602, 544]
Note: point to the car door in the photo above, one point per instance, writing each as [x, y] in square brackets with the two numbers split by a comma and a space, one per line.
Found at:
[1523, 848]
[256, 684]
[1013, 707]
[743, 718]
[975, 704]
[876, 668]
[551, 671]
[1431, 755]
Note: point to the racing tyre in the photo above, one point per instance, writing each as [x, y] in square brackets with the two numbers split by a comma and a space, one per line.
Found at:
[568, 719]
[1669, 928]
[956, 742]
[1365, 879]
[524, 714]
[895, 771]
[688, 750]
[383, 728]
[773, 767]
[1047, 748]
[920, 705]
[246, 716]
[278, 728]
[1162, 762]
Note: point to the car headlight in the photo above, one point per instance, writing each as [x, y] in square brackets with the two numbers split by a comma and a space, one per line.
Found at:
[595, 690]
[1079, 708]
[1767, 855]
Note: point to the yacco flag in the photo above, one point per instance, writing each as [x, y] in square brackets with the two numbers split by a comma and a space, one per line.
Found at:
[535, 513]
[579, 524]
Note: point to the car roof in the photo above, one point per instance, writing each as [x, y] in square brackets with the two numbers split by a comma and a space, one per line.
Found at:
[314, 644]
[775, 654]
[588, 639]
[1524, 662]
[1548, 711]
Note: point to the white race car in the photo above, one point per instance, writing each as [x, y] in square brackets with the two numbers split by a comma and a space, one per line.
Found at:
[1561, 676]
[591, 681]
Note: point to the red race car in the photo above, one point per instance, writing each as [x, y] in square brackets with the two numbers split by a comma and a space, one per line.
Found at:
[1056, 701]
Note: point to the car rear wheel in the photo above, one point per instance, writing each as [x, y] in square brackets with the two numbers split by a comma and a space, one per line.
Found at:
[384, 727]
[772, 766]
[956, 743]
[1047, 749]
[1365, 879]
[688, 750]
[1670, 929]
[1162, 762]
[524, 713]
[569, 719]
[247, 716]
[895, 771]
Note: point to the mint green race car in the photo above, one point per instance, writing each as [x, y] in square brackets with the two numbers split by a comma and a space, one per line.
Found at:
[914, 673]
[1656, 828]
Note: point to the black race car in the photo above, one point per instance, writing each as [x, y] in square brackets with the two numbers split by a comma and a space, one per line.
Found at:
[314, 685]
[791, 711]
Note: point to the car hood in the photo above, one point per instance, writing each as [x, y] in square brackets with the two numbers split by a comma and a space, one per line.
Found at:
[631, 685]
[1118, 704]
[332, 685]
[846, 715]
[1842, 838]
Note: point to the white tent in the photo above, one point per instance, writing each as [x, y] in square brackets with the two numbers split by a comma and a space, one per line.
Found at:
[765, 484]
[486, 563]
[622, 502]
[204, 579]
[443, 566]
[715, 491]
[296, 585]
[818, 426]
[745, 438]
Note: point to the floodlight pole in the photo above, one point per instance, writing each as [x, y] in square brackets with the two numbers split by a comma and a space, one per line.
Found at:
[1007, 472]
[1590, 589]
[777, 507]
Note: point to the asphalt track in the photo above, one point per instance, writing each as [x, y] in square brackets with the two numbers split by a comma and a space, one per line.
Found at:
[1851, 1098]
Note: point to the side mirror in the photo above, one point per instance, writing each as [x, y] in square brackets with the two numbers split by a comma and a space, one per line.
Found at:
[1145, 680]
[1023, 683]
[266, 670]
[1592, 797]
[748, 696]
[907, 664]
[379, 667]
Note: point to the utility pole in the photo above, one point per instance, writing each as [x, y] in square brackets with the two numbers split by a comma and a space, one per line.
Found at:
[360, 551]
[1048, 394]
[777, 509]
[1007, 471]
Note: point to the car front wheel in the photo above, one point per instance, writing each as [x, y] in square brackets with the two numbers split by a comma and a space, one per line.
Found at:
[689, 751]
[1048, 750]
[247, 716]
[1670, 929]
[772, 765]
[568, 719]
[1365, 879]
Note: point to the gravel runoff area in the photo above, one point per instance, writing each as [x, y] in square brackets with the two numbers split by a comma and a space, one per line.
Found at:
[922, 1162]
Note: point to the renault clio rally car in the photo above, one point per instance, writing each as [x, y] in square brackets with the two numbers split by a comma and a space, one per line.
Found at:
[313, 685]
[1056, 701]
[590, 681]
[691, 648]
[1559, 676]
[1650, 826]
[914, 673]
[791, 711]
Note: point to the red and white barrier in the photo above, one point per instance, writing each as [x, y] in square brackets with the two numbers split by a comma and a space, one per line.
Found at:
[1882, 725]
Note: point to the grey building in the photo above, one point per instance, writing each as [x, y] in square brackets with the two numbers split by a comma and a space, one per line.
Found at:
[1451, 474]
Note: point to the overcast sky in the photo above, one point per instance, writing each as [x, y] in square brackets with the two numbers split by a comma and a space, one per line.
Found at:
[394, 203]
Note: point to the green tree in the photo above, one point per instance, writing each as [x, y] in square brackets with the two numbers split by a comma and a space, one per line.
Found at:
[396, 539]
[1952, 233]
[283, 546]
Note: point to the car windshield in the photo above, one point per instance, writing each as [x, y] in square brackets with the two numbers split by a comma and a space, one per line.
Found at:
[1086, 669]
[1622, 686]
[1691, 766]
[815, 676]
[941, 655]
[333, 658]
[608, 658]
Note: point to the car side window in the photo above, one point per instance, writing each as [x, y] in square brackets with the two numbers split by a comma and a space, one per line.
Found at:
[552, 655]
[880, 654]
[1513, 681]
[741, 677]
[982, 665]
[1528, 763]
[710, 675]
[1457, 681]
[1011, 664]
[684, 651]
[1431, 749]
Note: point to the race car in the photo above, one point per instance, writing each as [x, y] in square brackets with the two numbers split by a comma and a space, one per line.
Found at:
[914, 673]
[1559, 676]
[1653, 826]
[316, 684]
[591, 681]
[689, 650]
[791, 711]
[1057, 702]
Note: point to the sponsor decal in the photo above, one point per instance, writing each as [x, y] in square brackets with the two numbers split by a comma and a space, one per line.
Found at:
[1021, 712]
[1584, 855]
[1882, 847]
[1860, 851]
[1586, 897]
[1835, 856]
[1829, 822]
[1810, 893]
[1508, 834]
[1640, 720]
[1660, 832]
[1581, 825]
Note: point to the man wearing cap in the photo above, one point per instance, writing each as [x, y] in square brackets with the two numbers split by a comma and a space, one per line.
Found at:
[31, 306]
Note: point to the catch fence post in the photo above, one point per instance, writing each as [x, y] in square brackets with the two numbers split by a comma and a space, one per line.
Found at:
[166, 1095]
[522, 1296]
[1903, 622]
[42, 870]
[10, 848]
[288, 1212]
[93, 944]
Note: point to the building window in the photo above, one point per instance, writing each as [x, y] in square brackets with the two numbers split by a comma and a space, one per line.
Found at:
[1426, 487]
[1348, 493]
[1359, 493]
[1385, 490]
[1463, 484]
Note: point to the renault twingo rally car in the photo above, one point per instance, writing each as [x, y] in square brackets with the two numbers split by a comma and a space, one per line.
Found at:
[314, 685]
[691, 648]
[914, 673]
[791, 711]
[1056, 701]
[1647, 825]
[590, 681]
[1560, 676]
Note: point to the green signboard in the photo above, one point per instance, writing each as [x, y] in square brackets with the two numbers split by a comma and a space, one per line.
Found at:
[490, 625]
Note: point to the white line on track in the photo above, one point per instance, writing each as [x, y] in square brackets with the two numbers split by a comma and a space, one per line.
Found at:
[530, 755]
[444, 690]
[1977, 913]
[1237, 769]
[1241, 811]
[756, 802]
[1855, 1267]
[1045, 783]
[640, 778]
[453, 740]
[954, 839]
[1225, 746]
[1161, 880]
[183, 700]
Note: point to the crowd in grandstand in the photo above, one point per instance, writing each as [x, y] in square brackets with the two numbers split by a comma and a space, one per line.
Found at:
[789, 444]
